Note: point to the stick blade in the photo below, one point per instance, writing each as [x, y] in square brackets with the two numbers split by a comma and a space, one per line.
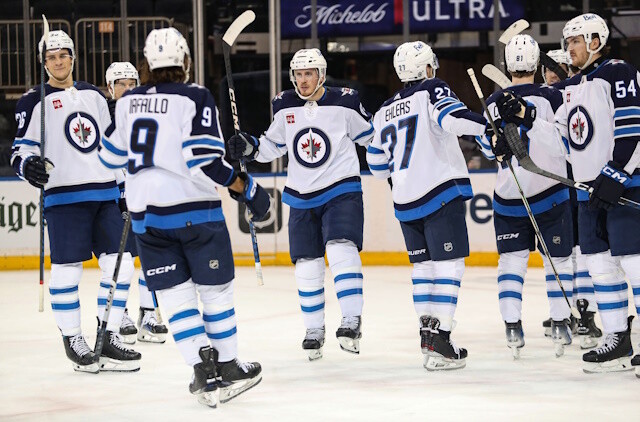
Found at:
[237, 26]
[493, 73]
[513, 30]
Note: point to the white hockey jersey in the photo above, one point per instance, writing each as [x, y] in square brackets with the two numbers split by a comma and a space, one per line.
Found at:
[169, 138]
[76, 118]
[319, 138]
[600, 120]
[541, 192]
[416, 144]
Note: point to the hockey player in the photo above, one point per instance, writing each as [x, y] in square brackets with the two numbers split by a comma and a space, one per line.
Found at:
[318, 127]
[80, 201]
[420, 124]
[121, 77]
[168, 135]
[560, 57]
[549, 200]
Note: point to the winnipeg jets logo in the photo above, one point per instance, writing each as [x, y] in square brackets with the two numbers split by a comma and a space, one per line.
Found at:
[82, 131]
[580, 128]
[311, 147]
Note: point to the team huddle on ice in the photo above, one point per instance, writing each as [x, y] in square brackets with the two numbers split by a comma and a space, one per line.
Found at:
[158, 143]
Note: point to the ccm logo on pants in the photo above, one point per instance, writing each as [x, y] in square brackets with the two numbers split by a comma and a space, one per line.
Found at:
[161, 270]
[507, 236]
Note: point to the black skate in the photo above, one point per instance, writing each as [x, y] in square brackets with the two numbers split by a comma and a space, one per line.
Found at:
[636, 362]
[613, 355]
[80, 354]
[236, 377]
[561, 335]
[128, 329]
[425, 335]
[349, 334]
[443, 354]
[204, 383]
[546, 324]
[515, 337]
[150, 330]
[116, 357]
[587, 329]
[313, 342]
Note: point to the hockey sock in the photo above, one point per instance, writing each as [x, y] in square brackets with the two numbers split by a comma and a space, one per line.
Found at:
[512, 267]
[185, 322]
[310, 279]
[346, 268]
[146, 298]
[220, 319]
[444, 293]
[558, 309]
[631, 266]
[582, 283]
[107, 264]
[611, 291]
[422, 279]
[65, 300]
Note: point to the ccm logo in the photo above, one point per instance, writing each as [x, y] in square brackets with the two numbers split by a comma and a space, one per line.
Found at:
[615, 175]
[161, 270]
[507, 236]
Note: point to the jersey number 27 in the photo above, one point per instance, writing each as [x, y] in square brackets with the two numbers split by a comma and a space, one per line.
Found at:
[390, 133]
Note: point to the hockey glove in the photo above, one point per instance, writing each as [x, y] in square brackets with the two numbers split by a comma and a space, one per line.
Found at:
[499, 144]
[112, 108]
[513, 109]
[243, 145]
[608, 186]
[36, 171]
[254, 196]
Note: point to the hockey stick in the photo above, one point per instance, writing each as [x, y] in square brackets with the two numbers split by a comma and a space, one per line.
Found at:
[45, 37]
[236, 27]
[156, 307]
[525, 161]
[112, 288]
[499, 78]
[534, 223]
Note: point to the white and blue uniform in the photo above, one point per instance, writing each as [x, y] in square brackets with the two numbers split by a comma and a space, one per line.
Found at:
[550, 204]
[416, 145]
[168, 137]
[324, 192]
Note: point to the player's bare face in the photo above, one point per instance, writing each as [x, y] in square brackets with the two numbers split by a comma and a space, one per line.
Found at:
[577, 48]
[59, 63]
[306, 80]
[551, 77]
[121, 86]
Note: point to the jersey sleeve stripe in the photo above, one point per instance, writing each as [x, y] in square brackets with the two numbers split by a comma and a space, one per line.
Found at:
[198, 161]
[374, 150]
[448, 110]
[627, 131]
[203, 141]
[112, 148]
[365, 133]
[26, 142]
[111, 166]
[621, 113]
[444, 101]
[379, 167]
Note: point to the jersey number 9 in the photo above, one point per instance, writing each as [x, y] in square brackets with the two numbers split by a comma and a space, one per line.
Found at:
[143, 143]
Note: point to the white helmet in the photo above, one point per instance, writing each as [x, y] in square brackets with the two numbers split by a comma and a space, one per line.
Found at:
[411, 59]
[308, 58]
[586, 25]
[120, 70]
[57, 41]
[522, 54]
[166, 47]
[558, 56]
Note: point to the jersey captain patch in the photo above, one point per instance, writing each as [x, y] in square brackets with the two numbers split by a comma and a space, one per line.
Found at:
[82, 132]
[580, 128]
[311, 147]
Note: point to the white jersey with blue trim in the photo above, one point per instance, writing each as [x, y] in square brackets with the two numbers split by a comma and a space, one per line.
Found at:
[319, 138]
[600, 120]
[168, 137]
[543, 193]
[416, 144]
[75, 119]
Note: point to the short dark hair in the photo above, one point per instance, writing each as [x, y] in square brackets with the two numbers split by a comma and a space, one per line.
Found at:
[521, 74]
[158, 76]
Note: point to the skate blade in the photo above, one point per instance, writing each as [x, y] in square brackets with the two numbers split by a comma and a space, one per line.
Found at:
[588, 342]
[440, 363]
[349, 345]
[235, 389]
[515, 352]
[208, 398]
[616, 365]
[314, 354]
[115, 365]
[92, 368]
[129, 338]
[149, 337]
[547, 332]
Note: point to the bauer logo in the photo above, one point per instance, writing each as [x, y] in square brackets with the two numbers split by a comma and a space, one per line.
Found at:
[272, 222]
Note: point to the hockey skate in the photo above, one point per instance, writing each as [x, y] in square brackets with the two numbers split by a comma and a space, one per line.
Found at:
[115, 357]
[546, 324]
[203, 382]
[561, 335]
[425, 336]
[149, 328]
[236, 377]
[128, 329]
[313, 342]
[349, 334]
[588, 332]
[515, 337]
[443, 354]
[636, 362]
[80, 354]
[613, 355]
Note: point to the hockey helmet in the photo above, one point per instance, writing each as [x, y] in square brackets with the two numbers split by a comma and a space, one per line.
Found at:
[522, 54]
[308, 58]
[57, 40]
[120, 70]
[586, 25]
[411, 59]
[167, 47]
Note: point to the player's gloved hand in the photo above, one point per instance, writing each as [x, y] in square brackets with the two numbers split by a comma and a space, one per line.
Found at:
[36, 171]
[498, 142]
[513, 109]
[254, 196]
[243, 145]
[608, 186]
[112, 108]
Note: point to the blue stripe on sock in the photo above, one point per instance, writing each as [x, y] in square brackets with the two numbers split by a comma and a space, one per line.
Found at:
[446, 281]
[312, 308]
[224, 334]
[610, 288]
[562, 277]
[581, 274]
[586, 290]
[510, 277]
[435, 299]
[613, 305]
[119, 286]
[510, 294]
[63, 291]
[346, 276]
[636, 291]
[349, 292]
[142, 282]
[116, 303]
[184, 314]
[219, 317]
[310, 294]
[65, 306]
[421, 281]
[188, 333]
[559, 294]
